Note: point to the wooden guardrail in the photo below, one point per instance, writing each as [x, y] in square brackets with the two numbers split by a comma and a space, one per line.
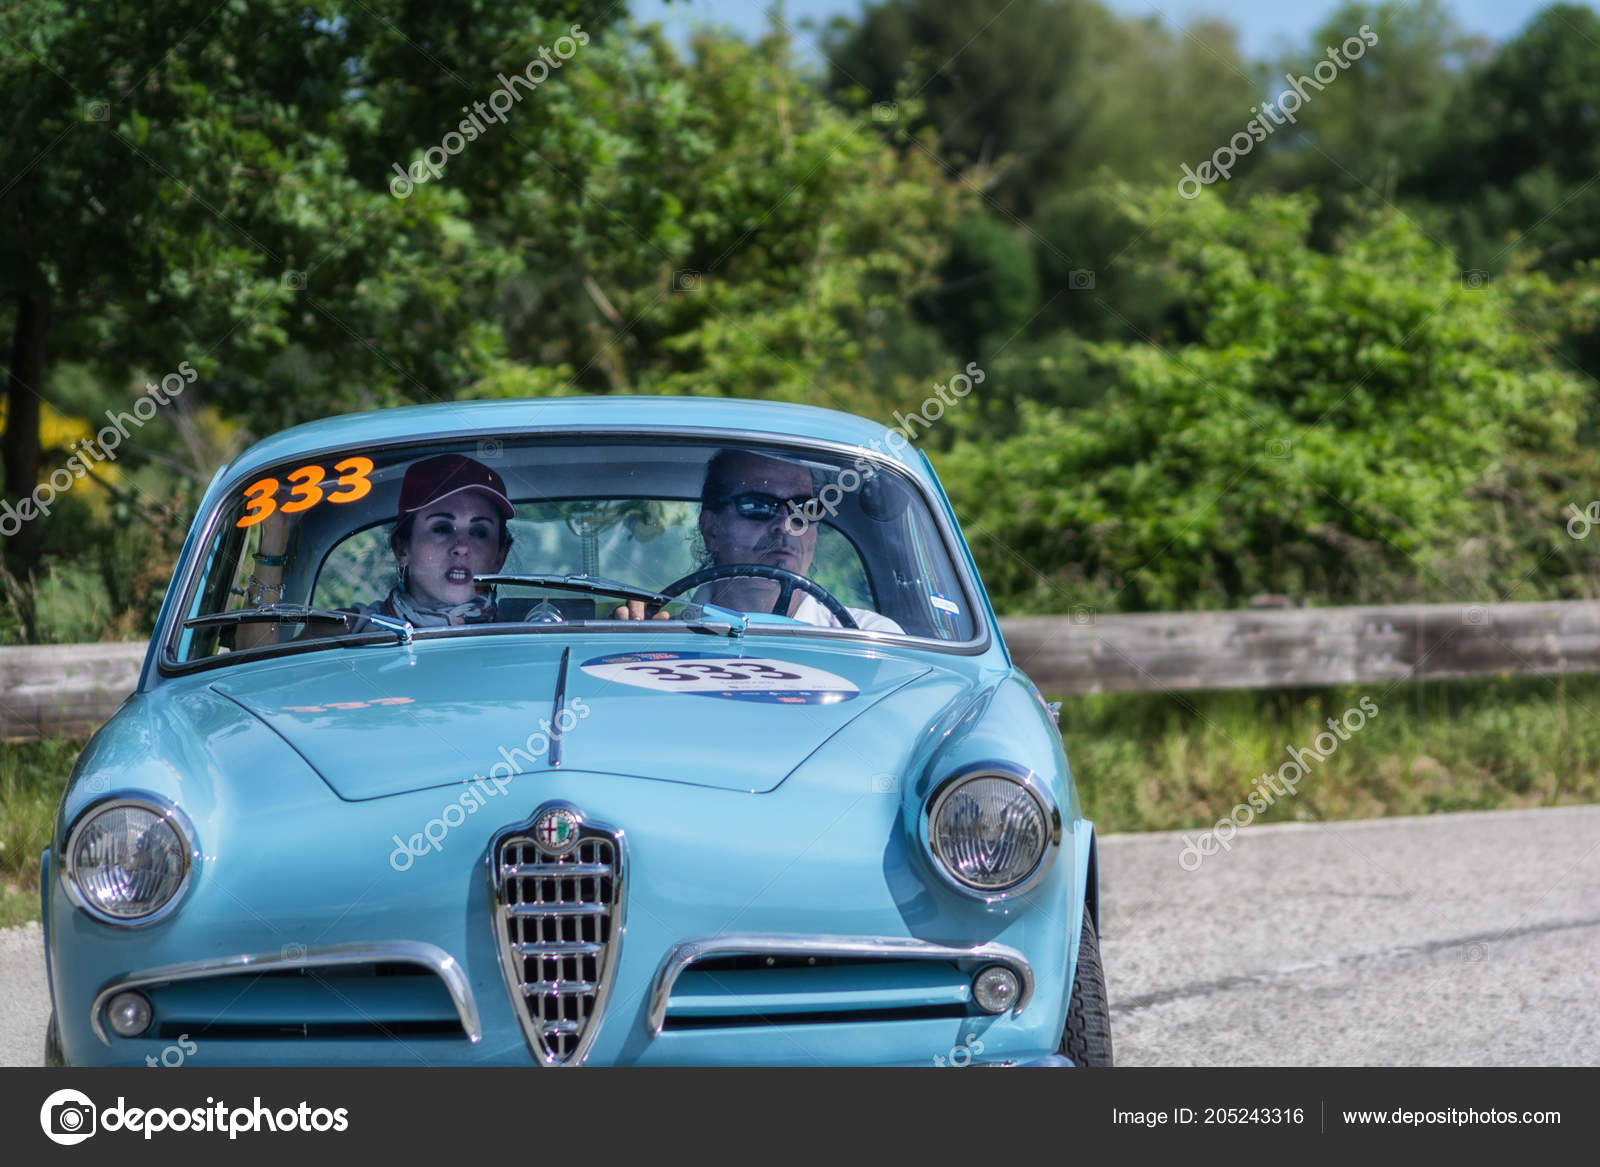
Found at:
[1287, 647]
[57, 690]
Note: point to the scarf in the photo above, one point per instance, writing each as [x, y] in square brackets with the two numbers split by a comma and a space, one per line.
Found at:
[404, 606]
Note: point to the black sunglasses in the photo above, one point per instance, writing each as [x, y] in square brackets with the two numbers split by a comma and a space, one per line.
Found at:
[766, 506]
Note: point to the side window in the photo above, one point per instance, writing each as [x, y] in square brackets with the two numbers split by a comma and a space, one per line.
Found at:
[225, 577]
[358, 571]
[940, 593]
[230, 583]
[838, 568]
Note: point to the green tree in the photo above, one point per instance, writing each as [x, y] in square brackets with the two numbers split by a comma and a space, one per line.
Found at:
[989, 286]
[1351, 426]
[1037, 98]
[1360, 137]
[709, 224]
[645, 222]
[205, 183]
[1009, 92]
[1514, 161]
[1508, 176]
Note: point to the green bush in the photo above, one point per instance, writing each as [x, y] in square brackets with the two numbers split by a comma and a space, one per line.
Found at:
[1355, 426]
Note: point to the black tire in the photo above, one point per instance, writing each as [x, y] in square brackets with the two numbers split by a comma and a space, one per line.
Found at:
[52, 1044]
[1086, 1038]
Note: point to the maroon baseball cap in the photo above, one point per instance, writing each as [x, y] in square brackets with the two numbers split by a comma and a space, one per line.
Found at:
[428, 481]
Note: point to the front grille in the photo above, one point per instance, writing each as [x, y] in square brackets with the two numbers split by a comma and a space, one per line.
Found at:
[734, 980]
[558, 923]
[743, 990]
[369, 1001]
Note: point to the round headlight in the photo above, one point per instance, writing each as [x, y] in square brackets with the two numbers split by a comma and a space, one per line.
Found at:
[128, 861]
[990, 832]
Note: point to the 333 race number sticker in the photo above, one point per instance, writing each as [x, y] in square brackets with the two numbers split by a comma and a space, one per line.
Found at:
[772, 682]
[307, 484]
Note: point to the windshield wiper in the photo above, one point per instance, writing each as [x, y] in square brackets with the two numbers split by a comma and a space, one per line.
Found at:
[594, 585]
[300, 614]
[728, 622]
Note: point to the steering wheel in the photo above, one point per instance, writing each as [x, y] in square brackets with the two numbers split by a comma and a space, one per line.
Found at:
[787, 582]
[544, 612]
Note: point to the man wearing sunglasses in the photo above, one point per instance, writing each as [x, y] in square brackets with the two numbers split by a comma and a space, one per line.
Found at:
[747, 504]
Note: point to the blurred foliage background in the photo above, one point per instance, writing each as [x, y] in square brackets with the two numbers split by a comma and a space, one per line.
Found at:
[1361, 369]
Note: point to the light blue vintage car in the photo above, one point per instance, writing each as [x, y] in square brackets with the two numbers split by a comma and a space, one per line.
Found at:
[621, 731]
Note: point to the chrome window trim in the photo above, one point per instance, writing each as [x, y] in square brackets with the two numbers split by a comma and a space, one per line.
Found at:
[510, 962]
[167, 664]
[430, 956]
[163, 808]
[778, 944]
[1029, 781]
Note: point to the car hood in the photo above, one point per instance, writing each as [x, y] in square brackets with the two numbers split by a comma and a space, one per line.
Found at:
[379, 720]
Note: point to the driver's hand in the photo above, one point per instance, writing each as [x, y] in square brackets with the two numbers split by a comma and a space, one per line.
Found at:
[634, 610]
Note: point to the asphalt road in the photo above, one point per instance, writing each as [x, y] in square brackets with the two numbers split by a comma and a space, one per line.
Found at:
[24, 996]
[1461, 939]
[1467, 939]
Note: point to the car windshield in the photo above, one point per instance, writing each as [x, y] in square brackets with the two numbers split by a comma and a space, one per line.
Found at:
[586, 535]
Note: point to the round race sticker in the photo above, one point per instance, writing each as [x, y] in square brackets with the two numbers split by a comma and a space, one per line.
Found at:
[706, 674]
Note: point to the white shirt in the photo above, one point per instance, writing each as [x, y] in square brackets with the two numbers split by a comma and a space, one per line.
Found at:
[812, 612]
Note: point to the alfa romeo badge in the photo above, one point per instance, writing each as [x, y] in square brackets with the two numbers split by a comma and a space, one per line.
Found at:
[556, 830]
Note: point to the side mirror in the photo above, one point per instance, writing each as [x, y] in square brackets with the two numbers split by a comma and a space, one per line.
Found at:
[884, 498]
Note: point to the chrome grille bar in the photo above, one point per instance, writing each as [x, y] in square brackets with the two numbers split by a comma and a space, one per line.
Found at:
[558, 988]
[558, 920]
[567, 872]
[557, 947]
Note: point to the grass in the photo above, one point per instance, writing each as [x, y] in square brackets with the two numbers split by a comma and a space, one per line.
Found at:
[32, 776]
[18, 907]
[1147, 762]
